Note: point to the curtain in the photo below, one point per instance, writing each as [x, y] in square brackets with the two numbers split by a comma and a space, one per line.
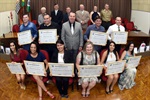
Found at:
[120, 8]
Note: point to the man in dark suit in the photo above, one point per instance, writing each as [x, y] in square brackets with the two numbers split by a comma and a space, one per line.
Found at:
[57, 15]
[66, 15]
[72, 35]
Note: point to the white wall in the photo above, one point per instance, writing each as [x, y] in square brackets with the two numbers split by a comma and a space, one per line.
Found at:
[4, 21]
[141, 20]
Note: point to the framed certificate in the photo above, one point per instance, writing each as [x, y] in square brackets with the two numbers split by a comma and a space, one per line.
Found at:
[15, 68]
[90, 70]
[119, 37]
[98, 38]
[58, 69]
[115, 67]
[133, 61]
[24, 37]
[35, 68]
[48, 36]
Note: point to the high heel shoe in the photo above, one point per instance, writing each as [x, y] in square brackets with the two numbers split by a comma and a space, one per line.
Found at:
[51, 95]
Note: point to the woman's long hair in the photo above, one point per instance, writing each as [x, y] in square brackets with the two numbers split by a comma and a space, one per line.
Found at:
[16, 48]
[108, 50]
[128, 46]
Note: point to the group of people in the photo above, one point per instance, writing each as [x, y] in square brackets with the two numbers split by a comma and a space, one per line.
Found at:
[71, 40]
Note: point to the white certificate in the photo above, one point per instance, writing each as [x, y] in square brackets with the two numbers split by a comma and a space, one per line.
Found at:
[98, 38]
[35, 68]
[15, 68]
[58, 69]
[90, 70]
[119, 37]
[115, 67]
[48, 36]
[133, 61]
[24, 37]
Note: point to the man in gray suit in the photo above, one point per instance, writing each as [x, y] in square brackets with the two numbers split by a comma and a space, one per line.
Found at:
[82, 16]
[72, 36]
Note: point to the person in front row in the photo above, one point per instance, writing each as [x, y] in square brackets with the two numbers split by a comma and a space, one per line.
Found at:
[110, 55]
[61, 56]
[126, 79]
[37, 56]
[15, 56]
[88, 57]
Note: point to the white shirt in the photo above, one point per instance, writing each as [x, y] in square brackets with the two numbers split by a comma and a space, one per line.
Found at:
[113, 28]
[56, 12]
[60, 57]
[111, 58]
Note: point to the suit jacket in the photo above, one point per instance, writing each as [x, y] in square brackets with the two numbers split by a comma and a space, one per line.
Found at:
[57, 18]
[72, 41]
[65, 17]
[83, 17]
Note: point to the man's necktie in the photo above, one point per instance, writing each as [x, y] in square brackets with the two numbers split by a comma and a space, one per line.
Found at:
[72, 29]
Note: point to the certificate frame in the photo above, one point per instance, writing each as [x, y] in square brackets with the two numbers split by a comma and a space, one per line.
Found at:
[45, 38]
[89, 67]
[117, 37]
[24, 37]
[30, 69]
[15, 66]
[110, 70]
[96, 37]
[53, 66]
[130, 62]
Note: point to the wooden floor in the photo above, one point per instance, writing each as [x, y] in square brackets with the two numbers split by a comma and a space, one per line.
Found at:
[10, 90]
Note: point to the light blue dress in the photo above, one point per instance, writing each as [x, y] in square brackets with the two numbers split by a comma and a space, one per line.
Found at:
[127, 77]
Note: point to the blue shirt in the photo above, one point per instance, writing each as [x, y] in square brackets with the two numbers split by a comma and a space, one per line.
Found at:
[39, 58]
[30, 26]
[94, 28]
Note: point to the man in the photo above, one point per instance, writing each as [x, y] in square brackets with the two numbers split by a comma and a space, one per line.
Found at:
[95, 27]
[116, 27]
[106, 15]
[65, 18]
[41, 16]
[27, 25]
[82, 17]
[48, 24]
[57, 15]
[72, 36]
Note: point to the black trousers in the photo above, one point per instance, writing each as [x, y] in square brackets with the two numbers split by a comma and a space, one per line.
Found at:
[62, 84]
[106, 24]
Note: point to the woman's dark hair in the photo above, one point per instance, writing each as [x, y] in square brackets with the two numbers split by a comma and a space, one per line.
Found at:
[59, 41]
[108, 50]
[128, 46]
[16, 47]
[37, 47]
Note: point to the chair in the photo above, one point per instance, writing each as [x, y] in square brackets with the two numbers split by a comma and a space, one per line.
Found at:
[121, 51]
[112, 21]
[130, 26]
[45, 79]
[71, 82]
[104, 78]
[89, 22]
[15, 28]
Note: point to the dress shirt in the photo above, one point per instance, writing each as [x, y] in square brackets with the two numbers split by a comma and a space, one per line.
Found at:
[113, 28]
[94, 28]
[106, 15]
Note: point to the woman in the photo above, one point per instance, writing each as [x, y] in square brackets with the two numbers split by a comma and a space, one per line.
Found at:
[36, 55]
[88, 57]
[126, 79]
[110, 55]
[16, 57]
[61, 56]
[93, 14]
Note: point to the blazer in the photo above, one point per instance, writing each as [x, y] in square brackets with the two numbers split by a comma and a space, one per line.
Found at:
[83, 17]
[66, 57]
[57, 18]
[72, 41]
